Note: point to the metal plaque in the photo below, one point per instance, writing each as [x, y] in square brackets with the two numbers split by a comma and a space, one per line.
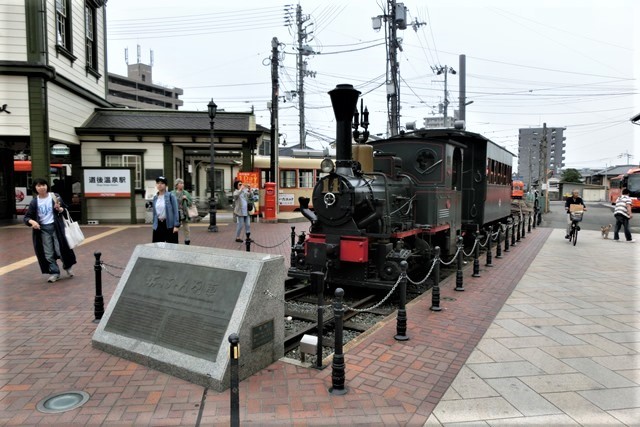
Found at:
[185, 308]
[262, 334]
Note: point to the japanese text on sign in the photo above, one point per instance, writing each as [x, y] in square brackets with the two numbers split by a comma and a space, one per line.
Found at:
[107, 183]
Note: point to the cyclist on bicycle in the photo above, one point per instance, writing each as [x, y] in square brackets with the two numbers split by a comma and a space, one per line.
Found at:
[574, 199]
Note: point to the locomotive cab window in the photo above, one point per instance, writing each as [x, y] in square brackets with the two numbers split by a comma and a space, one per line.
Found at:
[425, 161]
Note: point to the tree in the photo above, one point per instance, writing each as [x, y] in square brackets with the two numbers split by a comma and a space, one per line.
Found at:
[570, 175]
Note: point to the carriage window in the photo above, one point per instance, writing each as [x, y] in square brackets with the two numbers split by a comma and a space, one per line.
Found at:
[287, 179]
[306, 178]
[492, 171]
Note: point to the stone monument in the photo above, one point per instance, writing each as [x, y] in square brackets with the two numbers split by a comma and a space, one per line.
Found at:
[176, 305]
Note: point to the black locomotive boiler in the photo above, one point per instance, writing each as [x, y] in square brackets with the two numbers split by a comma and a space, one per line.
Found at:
[401, 197]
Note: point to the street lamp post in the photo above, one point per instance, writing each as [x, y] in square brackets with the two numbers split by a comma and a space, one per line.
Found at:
[212, 108]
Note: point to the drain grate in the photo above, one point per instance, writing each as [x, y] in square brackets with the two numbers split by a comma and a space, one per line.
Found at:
[62, 402]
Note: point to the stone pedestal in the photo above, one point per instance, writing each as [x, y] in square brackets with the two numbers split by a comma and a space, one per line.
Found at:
[176, 305]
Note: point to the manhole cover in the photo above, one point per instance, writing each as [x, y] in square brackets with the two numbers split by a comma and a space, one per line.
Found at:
[62, 402]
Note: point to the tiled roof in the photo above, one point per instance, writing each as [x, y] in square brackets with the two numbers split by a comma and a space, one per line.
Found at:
[130, 120]
[613, 170]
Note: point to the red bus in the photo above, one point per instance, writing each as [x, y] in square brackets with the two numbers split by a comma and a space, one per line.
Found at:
[23, 182]
[630, 180]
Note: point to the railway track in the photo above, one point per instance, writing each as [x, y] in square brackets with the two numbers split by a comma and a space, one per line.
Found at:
[301, 308]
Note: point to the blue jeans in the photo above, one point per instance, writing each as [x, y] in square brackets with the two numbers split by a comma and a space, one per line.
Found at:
[247, 225]
[622, 221]
[51, 247]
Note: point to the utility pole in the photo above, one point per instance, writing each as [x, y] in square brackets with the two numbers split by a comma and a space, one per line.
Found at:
[462, 97]
[627, 155]
[393, 86]
[273, 170]
[543, 157]
[444, 70]
[396, 19]
[303, 51]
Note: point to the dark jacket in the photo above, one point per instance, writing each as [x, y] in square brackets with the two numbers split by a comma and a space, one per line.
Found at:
[67, 254]
[571, 201]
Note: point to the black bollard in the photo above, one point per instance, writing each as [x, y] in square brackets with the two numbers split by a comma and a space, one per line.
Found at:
[435, 290]
[535, 217]
[523, 232]
[234, 385]
[401, 320]
[529, 223]
[506, 235]
[513, 231]
[317, 285]
[247, 242]
[499, 243]
[518, 229]
[459, 287]
[489, 255]
[338, 368]
[98, 302]
[476, 256]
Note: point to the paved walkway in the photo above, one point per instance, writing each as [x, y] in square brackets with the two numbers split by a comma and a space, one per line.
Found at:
[563, 350]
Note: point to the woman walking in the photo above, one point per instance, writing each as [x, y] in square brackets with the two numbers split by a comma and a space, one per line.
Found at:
[184, 203]
[44, 216]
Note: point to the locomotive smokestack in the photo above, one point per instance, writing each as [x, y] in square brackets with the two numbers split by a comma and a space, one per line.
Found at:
[344, 99]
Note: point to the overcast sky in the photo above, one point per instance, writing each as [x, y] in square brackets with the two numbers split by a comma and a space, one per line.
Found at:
[566, 63]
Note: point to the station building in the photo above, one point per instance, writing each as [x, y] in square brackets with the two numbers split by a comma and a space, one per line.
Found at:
[55, 110]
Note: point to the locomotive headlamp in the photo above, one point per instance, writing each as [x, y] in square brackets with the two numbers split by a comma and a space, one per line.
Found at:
[327, 166]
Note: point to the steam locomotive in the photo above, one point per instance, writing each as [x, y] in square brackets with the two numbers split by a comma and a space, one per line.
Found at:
[396, 199]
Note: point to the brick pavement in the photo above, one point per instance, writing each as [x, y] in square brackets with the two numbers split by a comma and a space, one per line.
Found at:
[46, 346]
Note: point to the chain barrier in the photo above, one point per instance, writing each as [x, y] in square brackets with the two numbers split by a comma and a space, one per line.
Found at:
[452, 259]
[314, 307]
[492, 236]
[270, 247]
[433, 264]
[475, 243]
[373, 307]
[104, 266]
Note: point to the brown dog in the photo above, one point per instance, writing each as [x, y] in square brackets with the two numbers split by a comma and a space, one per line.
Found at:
[605, 229]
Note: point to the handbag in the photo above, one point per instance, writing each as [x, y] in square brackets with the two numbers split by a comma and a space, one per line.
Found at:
[72, 230]
[249, 207]
[193, 211]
